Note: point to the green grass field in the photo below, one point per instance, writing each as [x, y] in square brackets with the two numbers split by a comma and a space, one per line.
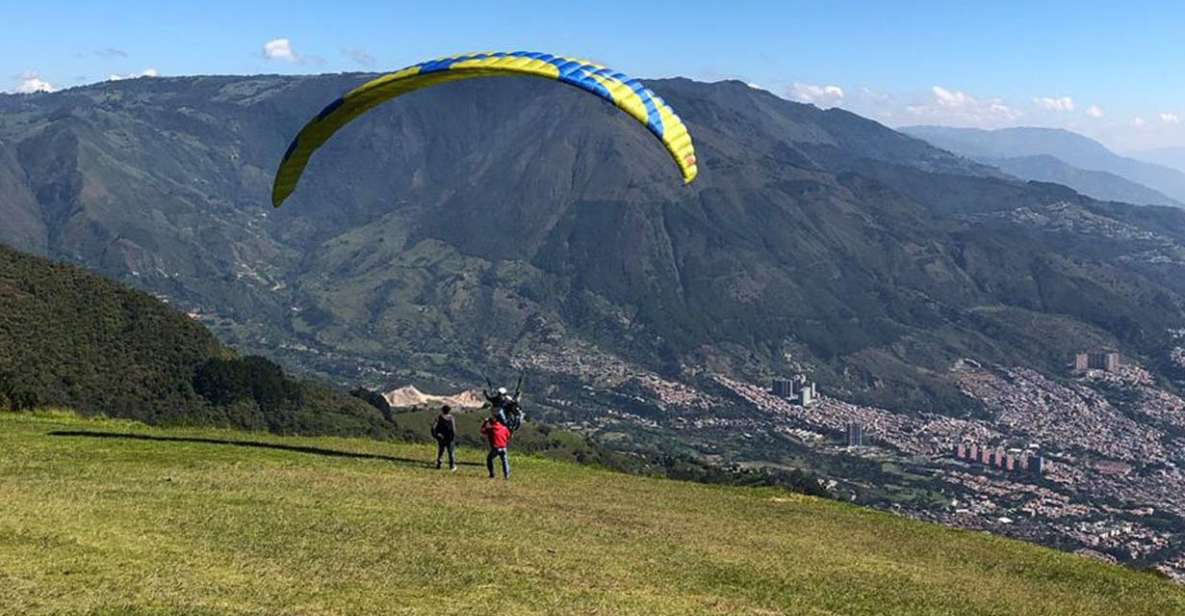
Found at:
[147, 520]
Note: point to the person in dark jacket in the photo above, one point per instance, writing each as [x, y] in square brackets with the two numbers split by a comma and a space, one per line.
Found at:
[444, 430]
[498, 436]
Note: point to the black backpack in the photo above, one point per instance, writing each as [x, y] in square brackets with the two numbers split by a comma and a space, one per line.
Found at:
[442, 430]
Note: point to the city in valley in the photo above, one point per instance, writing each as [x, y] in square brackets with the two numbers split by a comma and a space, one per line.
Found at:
[1093, 462]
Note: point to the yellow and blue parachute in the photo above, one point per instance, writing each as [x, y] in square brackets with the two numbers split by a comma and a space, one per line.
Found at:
[626, 93]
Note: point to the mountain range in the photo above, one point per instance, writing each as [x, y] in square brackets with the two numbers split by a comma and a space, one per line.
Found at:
[508, 222]
[1063, 157]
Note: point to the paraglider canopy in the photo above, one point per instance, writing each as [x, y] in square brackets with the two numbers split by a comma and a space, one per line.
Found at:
[626, 93]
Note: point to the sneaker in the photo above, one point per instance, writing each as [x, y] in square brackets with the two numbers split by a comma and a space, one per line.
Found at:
[452, 469]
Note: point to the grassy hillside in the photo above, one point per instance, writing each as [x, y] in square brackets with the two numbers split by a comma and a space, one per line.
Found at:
[665, 460]
[117, 517]
[71, 338]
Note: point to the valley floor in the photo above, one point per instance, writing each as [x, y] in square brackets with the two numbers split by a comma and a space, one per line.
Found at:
[116, 517]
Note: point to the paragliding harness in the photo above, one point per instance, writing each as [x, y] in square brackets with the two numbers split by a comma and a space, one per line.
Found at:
[514, 415]
[507, 408]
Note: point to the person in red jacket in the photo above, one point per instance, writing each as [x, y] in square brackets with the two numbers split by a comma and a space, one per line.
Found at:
[498, 436]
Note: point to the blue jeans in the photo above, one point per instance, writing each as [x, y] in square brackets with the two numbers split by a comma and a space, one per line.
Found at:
[442, 447]
[498, 453]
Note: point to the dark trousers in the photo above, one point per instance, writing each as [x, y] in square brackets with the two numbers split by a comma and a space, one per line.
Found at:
[451, 448]
[498, 453]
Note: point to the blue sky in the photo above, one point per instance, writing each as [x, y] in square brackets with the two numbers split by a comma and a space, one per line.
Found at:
[1115, 71]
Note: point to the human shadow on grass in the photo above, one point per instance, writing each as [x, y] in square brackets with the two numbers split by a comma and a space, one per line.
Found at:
[318, 451]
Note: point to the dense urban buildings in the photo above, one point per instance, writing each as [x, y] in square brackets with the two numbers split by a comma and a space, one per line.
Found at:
[798, 389]
[998, 458]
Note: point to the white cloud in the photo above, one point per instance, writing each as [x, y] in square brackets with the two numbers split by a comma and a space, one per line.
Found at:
[1095, 111]
[819, 95]
[960, 108]
[148, 72]
[31, 82]
[946, 98]
[1170, 118]
[280, 49]
[1139, 123]
[1062, 103]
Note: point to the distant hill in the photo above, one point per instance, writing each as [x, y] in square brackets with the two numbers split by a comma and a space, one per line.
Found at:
[70, 338]
[1096, 184]
[24, 224]
[408, 396]
[1167, 157]
[1072, 149]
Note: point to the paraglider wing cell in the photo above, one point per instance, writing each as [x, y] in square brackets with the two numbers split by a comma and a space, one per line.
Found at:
[626, 93]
